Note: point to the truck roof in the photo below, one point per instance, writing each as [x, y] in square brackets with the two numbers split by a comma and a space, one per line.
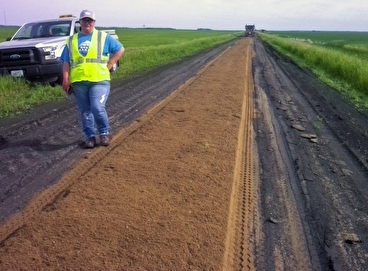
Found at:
[55, 20]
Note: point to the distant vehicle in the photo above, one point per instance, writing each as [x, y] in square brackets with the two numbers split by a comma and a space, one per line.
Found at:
[249, 30]
[35, 49]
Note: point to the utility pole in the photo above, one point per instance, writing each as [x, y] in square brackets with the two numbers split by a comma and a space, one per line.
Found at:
[6, 27]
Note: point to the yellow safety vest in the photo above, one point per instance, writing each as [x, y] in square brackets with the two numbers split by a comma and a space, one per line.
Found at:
[92, 67]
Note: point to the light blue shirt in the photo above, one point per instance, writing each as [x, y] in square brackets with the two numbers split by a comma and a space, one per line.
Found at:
[111, 46]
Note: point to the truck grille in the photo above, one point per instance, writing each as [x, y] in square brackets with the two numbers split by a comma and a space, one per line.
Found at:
[21, 56]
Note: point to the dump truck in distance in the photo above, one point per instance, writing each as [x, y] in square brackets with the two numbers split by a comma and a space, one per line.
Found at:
[249, 30]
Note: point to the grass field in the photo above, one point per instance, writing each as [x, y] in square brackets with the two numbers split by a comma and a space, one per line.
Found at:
[339, 59]
[145, 49]
[326, 36]
[7, 32]
[133, 38]
[349, 42]
[149, 48]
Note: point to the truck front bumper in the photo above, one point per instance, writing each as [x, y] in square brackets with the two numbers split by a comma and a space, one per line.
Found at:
[44, 73]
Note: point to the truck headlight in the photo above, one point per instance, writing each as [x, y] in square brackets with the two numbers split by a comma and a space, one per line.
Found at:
[50, 52]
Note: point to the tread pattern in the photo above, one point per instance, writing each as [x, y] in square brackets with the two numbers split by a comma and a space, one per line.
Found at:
[239, 248]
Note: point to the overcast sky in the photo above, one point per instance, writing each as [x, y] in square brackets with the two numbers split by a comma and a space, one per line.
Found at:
[330, 15]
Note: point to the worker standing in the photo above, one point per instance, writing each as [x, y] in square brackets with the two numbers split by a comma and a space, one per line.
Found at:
[87, 59]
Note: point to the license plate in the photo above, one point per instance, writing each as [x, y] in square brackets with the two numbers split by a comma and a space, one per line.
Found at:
[17, 73]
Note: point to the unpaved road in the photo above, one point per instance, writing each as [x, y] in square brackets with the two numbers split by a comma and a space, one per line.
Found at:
[250, 165]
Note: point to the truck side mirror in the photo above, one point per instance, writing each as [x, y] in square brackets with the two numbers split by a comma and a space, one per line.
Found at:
[7, 39]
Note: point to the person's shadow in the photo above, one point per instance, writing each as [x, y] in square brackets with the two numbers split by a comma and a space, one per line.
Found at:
[37, 144]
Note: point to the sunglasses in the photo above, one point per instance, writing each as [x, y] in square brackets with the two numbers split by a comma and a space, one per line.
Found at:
[87, 21]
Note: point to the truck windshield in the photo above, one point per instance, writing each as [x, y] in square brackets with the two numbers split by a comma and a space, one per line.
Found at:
[43, 29]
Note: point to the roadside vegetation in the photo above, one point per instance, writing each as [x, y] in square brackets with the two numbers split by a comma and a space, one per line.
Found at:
[145, 49]
[339, 59]
[7, 32]
[148, 48]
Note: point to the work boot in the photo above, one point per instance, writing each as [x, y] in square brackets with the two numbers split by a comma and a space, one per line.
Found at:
[90, 142]
[104, 140]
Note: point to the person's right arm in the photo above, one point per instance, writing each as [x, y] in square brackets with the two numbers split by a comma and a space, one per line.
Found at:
[66, 81]
[66, 69]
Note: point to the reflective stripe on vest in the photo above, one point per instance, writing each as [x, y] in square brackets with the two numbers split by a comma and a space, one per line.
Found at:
[93, 66]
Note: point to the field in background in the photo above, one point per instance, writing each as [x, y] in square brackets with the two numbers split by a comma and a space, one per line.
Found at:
[145, 49]
[143, 37]
[150, 48]
[349, 42]
[7, 32]
[325, 36]
[339, 59]
[131, 37]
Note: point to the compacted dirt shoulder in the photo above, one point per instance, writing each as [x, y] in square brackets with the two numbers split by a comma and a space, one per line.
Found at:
[252, 164]
[157, 200]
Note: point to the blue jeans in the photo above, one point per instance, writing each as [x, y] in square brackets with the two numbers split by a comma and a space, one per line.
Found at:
[91, 99]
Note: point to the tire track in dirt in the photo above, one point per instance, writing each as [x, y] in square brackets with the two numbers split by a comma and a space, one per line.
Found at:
[327, 180]
[282, 213]
[239, 250]
[283, 209]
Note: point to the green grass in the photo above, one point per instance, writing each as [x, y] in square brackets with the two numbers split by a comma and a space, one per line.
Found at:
[347, 42]
[145, 49]
[325, 36]
[133, 38]
[338, 59]
[7, 32]
[18, 95]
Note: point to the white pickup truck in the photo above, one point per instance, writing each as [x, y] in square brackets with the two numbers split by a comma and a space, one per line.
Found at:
[35, 49]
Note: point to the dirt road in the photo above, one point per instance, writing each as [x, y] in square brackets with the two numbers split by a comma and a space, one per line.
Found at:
[251, 165]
